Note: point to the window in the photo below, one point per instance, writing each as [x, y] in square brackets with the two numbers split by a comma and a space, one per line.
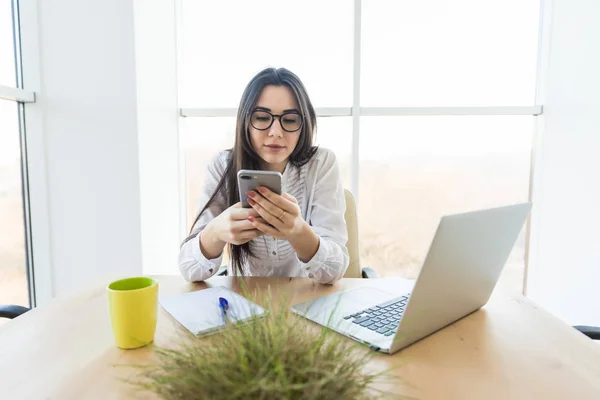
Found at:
[334, 133]
[222, 50]
[449, 53]
[14, 286]
[7, 53]
[13, 271]
[444, 57]
[414, 170]
[202, 138]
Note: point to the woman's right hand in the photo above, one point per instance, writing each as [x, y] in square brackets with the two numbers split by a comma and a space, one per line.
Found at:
[231, 226]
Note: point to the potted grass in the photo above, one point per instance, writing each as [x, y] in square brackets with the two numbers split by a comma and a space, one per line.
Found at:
[280, 356]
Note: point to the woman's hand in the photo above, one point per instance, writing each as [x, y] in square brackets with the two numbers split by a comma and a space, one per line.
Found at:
[280, 214]
[231, 226]
[282, 220]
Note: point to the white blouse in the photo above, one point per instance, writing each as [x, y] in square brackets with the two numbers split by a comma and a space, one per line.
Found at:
[318, 188]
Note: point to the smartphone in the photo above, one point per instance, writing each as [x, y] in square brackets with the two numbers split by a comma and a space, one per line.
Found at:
[250, 180]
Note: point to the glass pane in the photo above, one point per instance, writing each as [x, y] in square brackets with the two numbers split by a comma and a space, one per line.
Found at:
[7, 53]
[414, 170]
[335, 133]
[13, 272]
[224, 43]
[203, 138]
[449, 53]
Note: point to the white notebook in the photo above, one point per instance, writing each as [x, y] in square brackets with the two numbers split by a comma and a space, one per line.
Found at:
[199, 311]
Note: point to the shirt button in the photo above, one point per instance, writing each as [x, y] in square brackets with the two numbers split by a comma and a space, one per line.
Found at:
[311, 276]
[274, 253]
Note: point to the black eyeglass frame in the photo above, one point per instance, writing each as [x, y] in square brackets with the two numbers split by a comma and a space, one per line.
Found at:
[278, 116]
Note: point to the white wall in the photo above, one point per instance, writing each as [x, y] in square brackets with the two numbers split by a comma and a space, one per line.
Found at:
[85, 121]
[158, 138]
[102, 139]
[564, 272]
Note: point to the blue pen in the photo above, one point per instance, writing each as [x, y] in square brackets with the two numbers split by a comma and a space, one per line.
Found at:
[224, 306]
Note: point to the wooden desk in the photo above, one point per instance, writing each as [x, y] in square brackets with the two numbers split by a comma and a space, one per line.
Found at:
[510, 349]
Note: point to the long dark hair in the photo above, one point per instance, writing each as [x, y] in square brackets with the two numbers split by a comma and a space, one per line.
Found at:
[243, 155]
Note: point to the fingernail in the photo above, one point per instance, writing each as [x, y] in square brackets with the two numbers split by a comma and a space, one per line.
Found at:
[251, 194]
[251, 218]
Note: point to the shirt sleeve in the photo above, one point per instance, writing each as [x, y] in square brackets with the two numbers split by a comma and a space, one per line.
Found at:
[193, 265]
[331, 260]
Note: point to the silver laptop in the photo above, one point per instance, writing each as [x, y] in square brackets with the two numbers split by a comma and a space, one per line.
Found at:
[463, 264]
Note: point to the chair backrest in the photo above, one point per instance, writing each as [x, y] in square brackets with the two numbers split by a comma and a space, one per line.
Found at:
[351, 218]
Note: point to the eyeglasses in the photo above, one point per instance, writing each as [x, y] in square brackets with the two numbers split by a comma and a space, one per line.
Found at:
[290, 121]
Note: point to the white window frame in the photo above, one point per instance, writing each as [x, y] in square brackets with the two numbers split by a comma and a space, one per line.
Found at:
[33, 154]
[16, 94]
[20, 97]
[356, 111]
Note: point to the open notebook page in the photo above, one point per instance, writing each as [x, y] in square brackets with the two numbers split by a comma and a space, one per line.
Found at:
[199, 311]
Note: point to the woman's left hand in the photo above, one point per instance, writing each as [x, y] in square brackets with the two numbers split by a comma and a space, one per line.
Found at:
[281, 213]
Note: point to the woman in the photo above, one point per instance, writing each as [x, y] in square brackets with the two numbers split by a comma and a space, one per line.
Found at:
[300, 233]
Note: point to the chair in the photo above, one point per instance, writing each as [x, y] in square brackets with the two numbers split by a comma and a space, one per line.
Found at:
[592, 332]
[12, 311]
[354, 270]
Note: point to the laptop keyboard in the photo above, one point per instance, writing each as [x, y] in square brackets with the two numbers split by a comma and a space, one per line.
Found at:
[383, 318]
